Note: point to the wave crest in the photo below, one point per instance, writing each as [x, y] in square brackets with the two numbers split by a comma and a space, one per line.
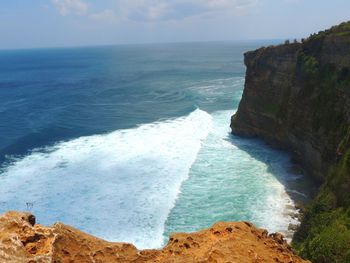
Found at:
[119, 186]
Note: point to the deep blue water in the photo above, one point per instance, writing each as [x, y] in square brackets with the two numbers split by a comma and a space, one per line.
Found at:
[48, 95]
[132, 142]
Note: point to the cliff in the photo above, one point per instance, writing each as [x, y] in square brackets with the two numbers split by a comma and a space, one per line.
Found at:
[297, 97]
[21, 240]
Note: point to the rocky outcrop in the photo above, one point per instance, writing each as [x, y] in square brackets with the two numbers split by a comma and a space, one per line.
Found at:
[21, 240]
[297, 97]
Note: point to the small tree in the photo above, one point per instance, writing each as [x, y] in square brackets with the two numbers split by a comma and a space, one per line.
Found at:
[286, 42]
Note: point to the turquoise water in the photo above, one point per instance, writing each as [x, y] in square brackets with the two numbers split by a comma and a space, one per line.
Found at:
[131, 143]
[234, 179]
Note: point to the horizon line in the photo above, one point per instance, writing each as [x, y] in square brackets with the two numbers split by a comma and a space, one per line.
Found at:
[144, 43]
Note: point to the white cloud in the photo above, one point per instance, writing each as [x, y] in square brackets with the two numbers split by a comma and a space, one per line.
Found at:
[220, 4]
[292, 1]
[152, 10]
[66, 7]
[106, 15]
[156, 10]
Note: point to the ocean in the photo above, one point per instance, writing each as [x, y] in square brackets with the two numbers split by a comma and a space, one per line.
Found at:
[132, 142]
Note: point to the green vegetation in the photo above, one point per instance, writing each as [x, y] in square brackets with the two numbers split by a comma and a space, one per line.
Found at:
[271, 109]
[328, 82]
[340, 30]
[308, 64]
[324, 234]
[331, 243]
[341, 34]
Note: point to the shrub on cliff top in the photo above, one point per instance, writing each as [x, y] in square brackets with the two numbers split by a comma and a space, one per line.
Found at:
[339, 30]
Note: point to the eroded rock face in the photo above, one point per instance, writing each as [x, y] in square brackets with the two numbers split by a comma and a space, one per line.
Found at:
[296, 97]
[21, 241]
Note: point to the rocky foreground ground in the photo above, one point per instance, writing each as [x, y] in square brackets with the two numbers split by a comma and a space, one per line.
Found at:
[22, 240]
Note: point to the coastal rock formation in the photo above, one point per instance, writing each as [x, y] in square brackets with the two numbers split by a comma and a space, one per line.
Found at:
[297, 97]
[21, 240]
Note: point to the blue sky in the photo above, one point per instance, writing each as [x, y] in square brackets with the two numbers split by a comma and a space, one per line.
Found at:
[53, 23]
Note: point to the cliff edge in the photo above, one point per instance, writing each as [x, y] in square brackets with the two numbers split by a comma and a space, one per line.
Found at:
[297, 97]
[21, 240]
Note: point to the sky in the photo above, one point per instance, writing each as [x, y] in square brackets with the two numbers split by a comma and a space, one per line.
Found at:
[56, 23]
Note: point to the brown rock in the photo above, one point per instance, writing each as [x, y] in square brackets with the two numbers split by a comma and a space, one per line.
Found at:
[23, 241]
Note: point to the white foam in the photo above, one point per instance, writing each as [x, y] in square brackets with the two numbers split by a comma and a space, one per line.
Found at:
[215, 87]
[119, 186]
[234, 179]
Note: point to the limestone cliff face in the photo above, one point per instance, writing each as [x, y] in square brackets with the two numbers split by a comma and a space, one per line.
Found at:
[297, 97]
[21, 240]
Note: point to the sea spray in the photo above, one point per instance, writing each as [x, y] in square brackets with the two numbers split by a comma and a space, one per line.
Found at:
[235, 179]
[119, 186]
